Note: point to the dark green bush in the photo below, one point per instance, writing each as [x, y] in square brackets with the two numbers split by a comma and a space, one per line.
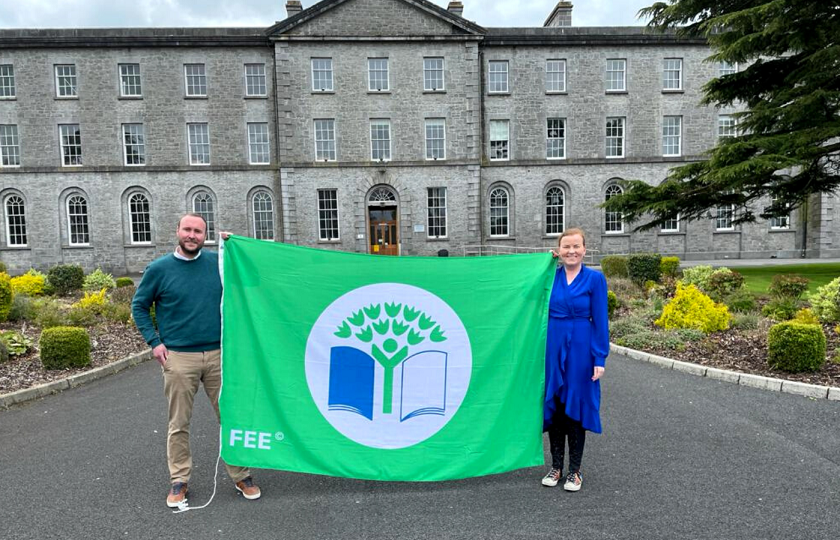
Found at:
[122, 295]
[670, 266]
[66, 278]
[724, 282]
[4, 352]
[3, 269]
[612, 303]
[781, 309]
[788, 286]
[6, 296]
[65, 347]
[796, 347]
[22, 309]
[125, 282]
[644, 267]
[614, 266]
[740, 301]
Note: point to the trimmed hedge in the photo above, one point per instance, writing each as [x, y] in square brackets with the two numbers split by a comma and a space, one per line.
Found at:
[66, 278]
[6, 296]
[125, 282]
[670, 266]
[643, 267]
[614, 266]
[65, 347]
[793, 346]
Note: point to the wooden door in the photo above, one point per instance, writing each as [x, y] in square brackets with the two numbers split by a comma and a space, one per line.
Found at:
[383, 231]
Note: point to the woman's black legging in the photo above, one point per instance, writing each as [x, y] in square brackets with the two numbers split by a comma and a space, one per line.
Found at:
[563, 427]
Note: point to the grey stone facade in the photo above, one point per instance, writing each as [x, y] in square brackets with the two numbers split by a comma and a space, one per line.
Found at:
[349, 32]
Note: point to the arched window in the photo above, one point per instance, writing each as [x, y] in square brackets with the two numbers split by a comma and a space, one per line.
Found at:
[555, 201]
[382, 195]
[204, 206]
[499, 212]
[15, 221]
[139, 214]
[263, 207]
[613, 221]
[78, 227]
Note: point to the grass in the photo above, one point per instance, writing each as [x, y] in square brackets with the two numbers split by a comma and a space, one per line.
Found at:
[758, 279]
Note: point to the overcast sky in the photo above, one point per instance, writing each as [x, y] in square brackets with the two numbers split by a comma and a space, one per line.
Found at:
[121, 13]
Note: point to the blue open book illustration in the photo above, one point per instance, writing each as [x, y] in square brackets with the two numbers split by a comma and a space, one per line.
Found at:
[422, 383]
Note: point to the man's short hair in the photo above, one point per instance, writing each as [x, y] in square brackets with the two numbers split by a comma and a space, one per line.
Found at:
[191, 214]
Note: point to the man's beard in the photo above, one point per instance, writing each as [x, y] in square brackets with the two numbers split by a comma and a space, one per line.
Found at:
[191, 252]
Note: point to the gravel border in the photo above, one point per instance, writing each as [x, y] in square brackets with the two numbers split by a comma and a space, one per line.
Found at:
[37, 392]
[735, 377]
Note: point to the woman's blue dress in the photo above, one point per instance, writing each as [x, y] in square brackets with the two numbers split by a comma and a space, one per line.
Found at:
[577, 341]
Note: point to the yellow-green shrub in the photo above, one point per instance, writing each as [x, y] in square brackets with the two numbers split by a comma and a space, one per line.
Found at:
[670, 266]
[6, 296]
[806, 316]
[795, 347]
[690, 308]
[825, 302]
[94, 302]
[30, 283]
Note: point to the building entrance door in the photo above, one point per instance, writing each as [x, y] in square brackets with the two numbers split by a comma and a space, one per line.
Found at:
[383, 230]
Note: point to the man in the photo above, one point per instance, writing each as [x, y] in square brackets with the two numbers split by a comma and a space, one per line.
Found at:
[186, 290]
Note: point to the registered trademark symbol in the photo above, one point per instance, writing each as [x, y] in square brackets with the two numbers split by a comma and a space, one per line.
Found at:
[279, 436]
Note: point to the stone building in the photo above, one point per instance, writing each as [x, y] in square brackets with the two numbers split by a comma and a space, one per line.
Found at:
[373, 126]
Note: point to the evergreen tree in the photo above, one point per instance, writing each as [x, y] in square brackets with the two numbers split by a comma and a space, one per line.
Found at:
[787, 141]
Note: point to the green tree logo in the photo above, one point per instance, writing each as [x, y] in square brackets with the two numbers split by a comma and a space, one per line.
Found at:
[390, 329]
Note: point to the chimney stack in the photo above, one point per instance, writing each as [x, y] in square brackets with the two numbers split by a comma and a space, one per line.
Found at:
[456, 8]
[293, 7]
[561, 16]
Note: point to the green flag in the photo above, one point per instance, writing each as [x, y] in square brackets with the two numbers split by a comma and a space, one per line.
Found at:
[382, 368]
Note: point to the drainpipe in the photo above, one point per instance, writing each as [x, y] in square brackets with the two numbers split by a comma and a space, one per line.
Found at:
[481, 156]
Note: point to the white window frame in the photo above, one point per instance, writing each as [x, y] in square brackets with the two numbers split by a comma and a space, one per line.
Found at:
[15, 221]
[75, 160]
[325, 148]
[620, 137]
[256, 84]
[376, 67]
[669, 67]
[429, 71]
[140, 220]
[208, 212]
[551, 142]
[138, 144]
[436, 213]
[503, 210]
[328, 216]
[195, 80]
[130, 81]
[555, 84]
[727, 126]
[503, 145]
[380, 123]
[551, 220]
[724, 213]
[328, 77]
[258, 140]
[671, 225]
[71, 89]
[83, 219]
[611, 218]
[9, 146]
[498, 80]
[779, 223]
[8, 88]
[430, 152]
[616, 66]
[725, 68]
[671, 132]
[262, 211]
[194, 145]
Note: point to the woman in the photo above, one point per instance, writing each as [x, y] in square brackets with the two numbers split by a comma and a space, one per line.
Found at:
[576, 350]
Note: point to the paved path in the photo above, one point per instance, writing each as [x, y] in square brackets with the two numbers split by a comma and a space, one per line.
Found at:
[682, 458]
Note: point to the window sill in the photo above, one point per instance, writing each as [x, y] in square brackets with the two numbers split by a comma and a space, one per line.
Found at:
[434, 91]
[615, 92]
[781, 230]
[435, 159]
[15, 248]
[671, 233]
[616, 233]
[199, 164]
[498, 93]
[256, 97]
[140, 245]
[259, 164]
[8, 98]
[491, 238]
[334, 242]
[378, 91]
[726, 231]
[437, 239]
[675, 91]
[326, 160]
[66, 98]
[323, 91]
[614, 157]
[195, 97]
[78, 246]
[560, 93]
[556, 158]
[130, 98]
[72, 166]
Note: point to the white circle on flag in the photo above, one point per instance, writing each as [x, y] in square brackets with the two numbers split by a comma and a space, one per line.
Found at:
[388, 323]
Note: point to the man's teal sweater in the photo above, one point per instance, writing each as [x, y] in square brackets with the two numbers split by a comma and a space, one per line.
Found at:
[187, 296]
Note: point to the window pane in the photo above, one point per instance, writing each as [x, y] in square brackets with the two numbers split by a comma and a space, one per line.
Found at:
[204, 206]
[7, 81]
[555, 142]
[328, 214]
[325, 140]
[9, 146]
[130, 80]
[499, 139]
[196, 79]
[134, 144]
[435, 139]
[672, 74]
[141, 220]
[436, 203]
[433, 74]
[71, 145]
[554, 210]
[199, 142]
[499, 212]
[322, 74]
[263, 216]
[377, 74]
[15, 221]
[616, 75]
[258, 148]
[380, 140]
[555, 76]
[255, 80]
[671, 135]
[726, 126]
[613, 221]
[615, 137]
[77, 218]
[498, 76]
[65, 80]
[725, 68]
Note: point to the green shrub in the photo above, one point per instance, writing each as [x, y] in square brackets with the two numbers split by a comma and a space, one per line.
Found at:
[697, 276]
[124, 282]
[670, 266]
[6, 296]
[3, 269]
[806, 316]
[4, 352]
[781, 309]
[690, 334]
[642, 267]
[65, 347]
[98, 280]
[723, 282]
[122, 295]
[826, 302]
[796, 347]
[93, 301]
[16, 342]
[119, 313]
[82, 316]
[788, 286]
[652, 339]
[626, 326]
[744, 321]
[614, 266]
[22, 309]
[666, 288]
[66, 278]
[740, 301]
[690, 308]
[49, 313]
[612, 303]
[31, 283]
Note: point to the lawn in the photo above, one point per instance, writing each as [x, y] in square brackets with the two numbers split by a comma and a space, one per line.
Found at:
[758, 279]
